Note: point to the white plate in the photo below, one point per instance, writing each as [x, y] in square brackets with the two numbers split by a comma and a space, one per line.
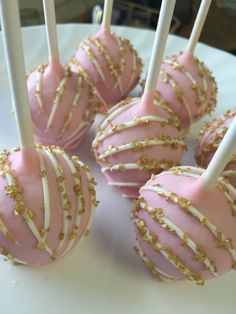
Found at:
[104, 275]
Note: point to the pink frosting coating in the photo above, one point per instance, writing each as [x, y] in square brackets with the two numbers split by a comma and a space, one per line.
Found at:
[212, 204]
[111, 64]
[208, 141]
[135, 140]
[25, 210]
[58, 94]
[188, 87]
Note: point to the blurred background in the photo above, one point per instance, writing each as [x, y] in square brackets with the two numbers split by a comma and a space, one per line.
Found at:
[219, 29]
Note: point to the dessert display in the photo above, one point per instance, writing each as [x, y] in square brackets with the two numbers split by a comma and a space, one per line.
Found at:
[140, 136]
[47, 198]
[62, 103]
[109, 63]
[183, 216]
[209, 139]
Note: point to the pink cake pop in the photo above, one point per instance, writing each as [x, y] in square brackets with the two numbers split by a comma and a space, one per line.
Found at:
[109, 62]
[47, 204]
[47, 198]
[62, 103]
[184, 220]
[185, 82]
[208, 141]
[142, 135]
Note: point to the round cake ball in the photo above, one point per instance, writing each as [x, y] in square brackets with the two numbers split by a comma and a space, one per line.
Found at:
[188, 86]
[209, 140]
[62, 105]
[111, 64]
[184, 232]
[47, 201]
[135, 141]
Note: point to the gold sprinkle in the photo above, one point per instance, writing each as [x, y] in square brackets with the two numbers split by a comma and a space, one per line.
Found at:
[41, 246]
[43, 173]
[61, 236]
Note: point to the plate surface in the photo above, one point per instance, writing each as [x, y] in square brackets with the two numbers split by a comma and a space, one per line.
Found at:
[104, 275]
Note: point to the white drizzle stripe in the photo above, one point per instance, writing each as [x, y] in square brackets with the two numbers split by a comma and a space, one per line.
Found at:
[55, 165]
[195, 213]
[162, 251]
[75, 103]
[92, 205]
[106, 54]
[116, 110]
[131, 184]
[119, 108]
[88, 79]
[188, 74]
[174, 85]
[119, 81]
[78, 204]
[56, 101]
[229, 173]
[134, 68]
[130, 166]
[164, 276]
[29, 221]
[70, 139]
[39, 75]
[130, 124]
[46, 194]
[5, 231]
[8, 257]
[98, 67]
[185, 71]
[145, 143]
[196, 172]
[190, 243]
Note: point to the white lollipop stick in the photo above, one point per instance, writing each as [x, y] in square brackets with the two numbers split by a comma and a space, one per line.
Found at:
[106, 20]
[12, 40]
[162, 30]
[51, 29]
[198, 25]
[221, 157]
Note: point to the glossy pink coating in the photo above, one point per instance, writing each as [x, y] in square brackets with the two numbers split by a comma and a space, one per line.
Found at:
[183, 231]
[210, 138]
[62, 105]
[188, 87]
[111, 64]
[46, 204]
[137, 139]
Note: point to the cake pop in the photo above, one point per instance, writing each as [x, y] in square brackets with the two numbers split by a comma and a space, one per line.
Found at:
[140, 136]
[109, 62]
[47, 198]
[185, 82]
[62, 102]
[184, 220]
[210, 137]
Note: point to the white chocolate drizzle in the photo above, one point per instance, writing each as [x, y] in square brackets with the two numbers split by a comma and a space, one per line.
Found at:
[179, 94]
[173, 259]
[165, 141]
[221, 240]
[159, 217]
[72, 108]
[56, 102]
[27, 218]
[161, 275]
[46, 195]
[65, 201]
